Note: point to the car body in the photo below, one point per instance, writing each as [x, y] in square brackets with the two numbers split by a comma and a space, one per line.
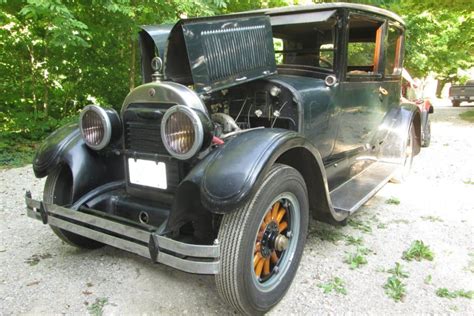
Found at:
[412, 91]
[248, 124]
[462, 93]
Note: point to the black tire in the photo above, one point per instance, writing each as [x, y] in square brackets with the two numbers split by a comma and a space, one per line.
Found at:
[404, 171]
[427, 134]
[237, 282]
[456, 103]
[57, 190]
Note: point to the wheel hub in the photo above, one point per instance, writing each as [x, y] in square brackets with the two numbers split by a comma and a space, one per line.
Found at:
[271, 241]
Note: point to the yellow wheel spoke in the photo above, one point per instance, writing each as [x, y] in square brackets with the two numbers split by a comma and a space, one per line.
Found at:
[276, 206]
[266, 267]
[282, 226]
[259, 267]
[280, 215]
[257, 247]
[268, 217]
[274, 257]
[257, 258]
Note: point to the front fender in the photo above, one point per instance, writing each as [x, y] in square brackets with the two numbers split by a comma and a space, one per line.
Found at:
[227, 177]
[89, 168]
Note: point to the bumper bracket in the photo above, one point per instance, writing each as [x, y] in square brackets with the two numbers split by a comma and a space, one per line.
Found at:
[127, 235]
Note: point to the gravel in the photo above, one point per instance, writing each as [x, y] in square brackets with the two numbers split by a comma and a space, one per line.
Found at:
[40, 274]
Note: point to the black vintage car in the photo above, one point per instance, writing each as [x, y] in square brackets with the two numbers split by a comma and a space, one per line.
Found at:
[245, 126]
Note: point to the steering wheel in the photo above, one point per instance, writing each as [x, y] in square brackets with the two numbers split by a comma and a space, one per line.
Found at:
[325, 61]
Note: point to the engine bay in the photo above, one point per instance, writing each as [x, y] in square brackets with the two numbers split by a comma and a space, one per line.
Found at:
[258, 104]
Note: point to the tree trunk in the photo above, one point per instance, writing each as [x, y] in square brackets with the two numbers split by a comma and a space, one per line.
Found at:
[133, 56]
[45, 83]
[33, 81]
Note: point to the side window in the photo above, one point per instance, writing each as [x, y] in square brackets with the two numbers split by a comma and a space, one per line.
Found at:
[393, 46]
[326, 56]
[363, 47]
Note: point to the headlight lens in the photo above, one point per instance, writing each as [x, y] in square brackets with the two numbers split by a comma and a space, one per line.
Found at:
[96, 126]
[182, 132]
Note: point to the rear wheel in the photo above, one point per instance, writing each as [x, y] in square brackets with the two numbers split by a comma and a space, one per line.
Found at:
[427, 134]
[456, 103]
[57, 190]
[262, 243]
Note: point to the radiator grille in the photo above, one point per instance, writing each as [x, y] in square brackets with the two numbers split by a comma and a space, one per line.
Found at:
[232, 51]
[144, 137]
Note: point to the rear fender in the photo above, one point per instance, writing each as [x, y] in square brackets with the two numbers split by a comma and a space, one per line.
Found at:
[89, 168]
[227, 177]
[396, 126]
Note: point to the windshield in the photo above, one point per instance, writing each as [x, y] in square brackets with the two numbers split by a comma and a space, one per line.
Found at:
[308, 46]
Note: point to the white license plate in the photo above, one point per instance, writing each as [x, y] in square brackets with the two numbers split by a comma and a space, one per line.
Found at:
[147, 173]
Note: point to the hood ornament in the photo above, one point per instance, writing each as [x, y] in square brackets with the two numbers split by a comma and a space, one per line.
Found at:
[157, 66]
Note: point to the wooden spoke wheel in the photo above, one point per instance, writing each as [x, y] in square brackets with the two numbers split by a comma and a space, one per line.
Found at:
[272, 240]
[262, 242]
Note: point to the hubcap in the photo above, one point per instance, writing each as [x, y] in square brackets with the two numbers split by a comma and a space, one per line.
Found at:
[274, 246]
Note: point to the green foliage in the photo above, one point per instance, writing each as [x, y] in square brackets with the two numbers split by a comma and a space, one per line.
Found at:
[97, 308]
[355, 241]
[335, 284]
[398, 271]
[358, 224]
[395, 289]
[444, 292]
[393, 200]
[428, 279]
[327, 234]
[467, 116]
[356, 259]
[418, 251]
[432, 218]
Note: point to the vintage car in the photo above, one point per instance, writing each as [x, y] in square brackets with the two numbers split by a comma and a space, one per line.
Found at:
[412, 91]
[244, 127]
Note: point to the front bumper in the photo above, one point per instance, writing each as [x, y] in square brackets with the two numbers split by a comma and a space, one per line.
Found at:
[130, 236]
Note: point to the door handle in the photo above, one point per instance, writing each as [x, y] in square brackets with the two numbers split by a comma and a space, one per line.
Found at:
[383, 91]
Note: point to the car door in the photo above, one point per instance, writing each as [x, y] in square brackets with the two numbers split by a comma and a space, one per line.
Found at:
[360, 100]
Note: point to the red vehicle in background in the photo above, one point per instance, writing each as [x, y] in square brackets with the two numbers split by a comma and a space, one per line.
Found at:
[412, 90]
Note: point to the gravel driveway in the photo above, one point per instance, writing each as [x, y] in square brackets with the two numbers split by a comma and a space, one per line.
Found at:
[40, 274]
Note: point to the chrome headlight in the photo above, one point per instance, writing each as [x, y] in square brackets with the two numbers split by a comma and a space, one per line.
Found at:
[98, 126]
[184, 131]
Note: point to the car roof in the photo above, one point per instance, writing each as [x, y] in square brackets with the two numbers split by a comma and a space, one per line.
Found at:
[311, 8]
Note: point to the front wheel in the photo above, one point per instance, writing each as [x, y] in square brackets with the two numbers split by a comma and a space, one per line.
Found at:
[57, 190]
[262, 243]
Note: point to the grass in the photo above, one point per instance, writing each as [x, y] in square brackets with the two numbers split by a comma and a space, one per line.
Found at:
[398, 271]
[381, 226]
[354, 241]
[468, 181]
[470, 264]
[97, 308]
[395, 288]
[326, 234]
[428, 279]
[393, 200]
[445, 293]
[400, 221]
[336, 285]
[418, 251]
[357, 259]
[432, 218]
[16, 156]
[467, 116]
[358, 224]
[35, 259]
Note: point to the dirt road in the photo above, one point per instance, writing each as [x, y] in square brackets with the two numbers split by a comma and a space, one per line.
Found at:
[40, 274]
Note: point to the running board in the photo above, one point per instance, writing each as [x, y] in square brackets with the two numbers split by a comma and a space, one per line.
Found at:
[352, 194]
